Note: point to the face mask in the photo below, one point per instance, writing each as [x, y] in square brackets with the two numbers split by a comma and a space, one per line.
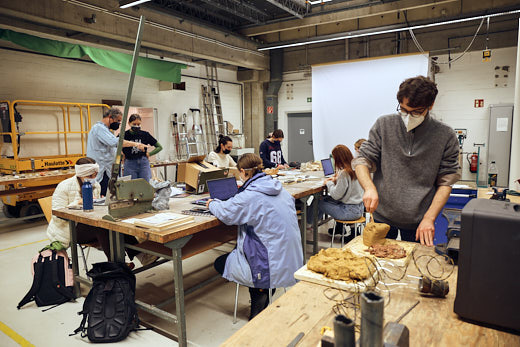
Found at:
[114, 125]
[136, 128]
[411, 122]
[226, 151]
[89, 180]
[277, 142]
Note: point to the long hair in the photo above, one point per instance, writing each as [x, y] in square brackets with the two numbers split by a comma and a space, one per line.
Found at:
[343, 159]
[222, 140]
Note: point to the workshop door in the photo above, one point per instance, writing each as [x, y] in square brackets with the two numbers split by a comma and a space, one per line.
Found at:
[300, 137]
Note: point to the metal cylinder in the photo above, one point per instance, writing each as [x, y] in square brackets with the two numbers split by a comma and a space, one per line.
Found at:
[434, 287]
[372, 306]
[344, 335]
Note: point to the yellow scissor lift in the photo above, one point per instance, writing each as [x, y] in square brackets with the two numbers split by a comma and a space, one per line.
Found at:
[40, 144]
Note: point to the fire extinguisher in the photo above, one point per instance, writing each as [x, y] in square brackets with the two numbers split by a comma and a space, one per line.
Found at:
[473, 161]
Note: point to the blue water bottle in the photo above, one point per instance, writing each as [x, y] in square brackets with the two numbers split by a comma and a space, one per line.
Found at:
[88, 198]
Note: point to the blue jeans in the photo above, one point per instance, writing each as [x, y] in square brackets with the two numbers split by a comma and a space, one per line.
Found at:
[138, 168]
[335, 209]
[406, 234]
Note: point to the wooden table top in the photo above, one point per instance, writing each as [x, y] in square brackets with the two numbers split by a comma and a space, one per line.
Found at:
[305, 308]
[95, 218]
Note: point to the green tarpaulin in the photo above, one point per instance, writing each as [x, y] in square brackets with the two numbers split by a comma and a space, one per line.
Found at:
[146, 67]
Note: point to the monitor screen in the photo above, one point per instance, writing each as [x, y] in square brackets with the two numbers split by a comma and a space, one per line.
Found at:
[222, 188]
[327, 167]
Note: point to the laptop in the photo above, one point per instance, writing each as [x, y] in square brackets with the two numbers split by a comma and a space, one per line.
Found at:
[328, 169]
[222, 188]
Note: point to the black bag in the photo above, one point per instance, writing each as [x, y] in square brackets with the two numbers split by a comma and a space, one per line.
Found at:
[53, 281]
[110, 304]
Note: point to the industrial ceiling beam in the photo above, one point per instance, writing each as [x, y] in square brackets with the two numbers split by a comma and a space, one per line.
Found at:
[291, 7]
[240, 9]
[185, 9]
[339, 16]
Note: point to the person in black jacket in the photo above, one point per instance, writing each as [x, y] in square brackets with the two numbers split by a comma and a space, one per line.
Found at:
[136, 162]
[271, 151]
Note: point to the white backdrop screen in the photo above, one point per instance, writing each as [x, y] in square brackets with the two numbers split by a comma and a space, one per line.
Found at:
[347, 98]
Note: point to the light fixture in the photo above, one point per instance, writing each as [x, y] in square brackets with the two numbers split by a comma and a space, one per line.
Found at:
[315, 2]
[360, 33]
[127, 4]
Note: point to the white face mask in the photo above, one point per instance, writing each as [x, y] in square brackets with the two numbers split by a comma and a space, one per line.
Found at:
[410, 121]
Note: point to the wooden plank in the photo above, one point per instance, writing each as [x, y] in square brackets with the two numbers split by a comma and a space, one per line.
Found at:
[305, 308]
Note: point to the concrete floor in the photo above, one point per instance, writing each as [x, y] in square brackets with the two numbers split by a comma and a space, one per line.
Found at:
[209, 311]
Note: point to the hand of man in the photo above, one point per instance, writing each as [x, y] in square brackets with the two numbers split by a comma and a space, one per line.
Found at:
[425, 232]
[371, 200]
[207, 202]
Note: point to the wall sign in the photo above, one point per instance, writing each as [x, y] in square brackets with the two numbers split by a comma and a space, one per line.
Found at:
[479, 103]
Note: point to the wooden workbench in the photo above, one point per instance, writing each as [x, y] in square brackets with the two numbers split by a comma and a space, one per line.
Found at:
[304, 308]
[178, 243]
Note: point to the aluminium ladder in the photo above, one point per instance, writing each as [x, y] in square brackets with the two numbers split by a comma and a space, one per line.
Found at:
[214, 120]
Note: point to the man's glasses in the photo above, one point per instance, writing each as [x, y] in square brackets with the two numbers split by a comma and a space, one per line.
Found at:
[416, 112]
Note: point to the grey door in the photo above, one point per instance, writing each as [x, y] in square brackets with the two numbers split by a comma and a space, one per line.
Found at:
[300, 137]
[499, 149]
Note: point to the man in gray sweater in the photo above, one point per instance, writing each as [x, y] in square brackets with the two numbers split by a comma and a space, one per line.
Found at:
[414, 159]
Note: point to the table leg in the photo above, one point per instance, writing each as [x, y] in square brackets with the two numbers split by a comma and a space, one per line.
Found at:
[176, 247]
[304, 226]
[165, 173]
[74, 256]
[315, 223]
[117, 246]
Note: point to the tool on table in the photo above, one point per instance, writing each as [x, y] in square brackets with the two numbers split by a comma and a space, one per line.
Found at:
[501, 196]
[128, 198]
[396, 334]
[434, 287]
[451, 248]
[296, 340]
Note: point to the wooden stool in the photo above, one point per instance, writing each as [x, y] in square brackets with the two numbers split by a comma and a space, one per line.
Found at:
[358, 224]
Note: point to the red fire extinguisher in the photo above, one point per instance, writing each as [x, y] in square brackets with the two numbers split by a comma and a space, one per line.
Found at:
[473, 161]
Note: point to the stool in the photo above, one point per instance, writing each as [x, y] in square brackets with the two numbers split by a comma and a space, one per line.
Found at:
[358, 225]
[236, 301]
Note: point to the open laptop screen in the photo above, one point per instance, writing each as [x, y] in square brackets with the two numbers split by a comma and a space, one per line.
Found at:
[327, 167]
[222, 188]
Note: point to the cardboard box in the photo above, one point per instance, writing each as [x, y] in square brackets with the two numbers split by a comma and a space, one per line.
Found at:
[195, 172]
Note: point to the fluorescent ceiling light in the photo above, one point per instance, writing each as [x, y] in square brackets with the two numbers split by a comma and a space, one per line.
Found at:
[318, 2]
[350, 35]
[131, 3]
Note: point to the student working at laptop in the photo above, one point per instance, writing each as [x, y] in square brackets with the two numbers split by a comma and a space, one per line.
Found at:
[220, 157]
[345, 199]
[268, 250]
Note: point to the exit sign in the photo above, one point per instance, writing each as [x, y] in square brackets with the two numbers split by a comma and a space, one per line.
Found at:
[479, 103]
[309, 99]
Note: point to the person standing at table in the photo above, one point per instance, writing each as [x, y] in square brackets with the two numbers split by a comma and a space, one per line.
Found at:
[220, 157]
[414, 158]
[101, 145]
[271, 151]
[137, 163]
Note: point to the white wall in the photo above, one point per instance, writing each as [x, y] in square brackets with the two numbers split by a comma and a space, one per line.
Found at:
[292, 102]
[468, 79]
[37, 77]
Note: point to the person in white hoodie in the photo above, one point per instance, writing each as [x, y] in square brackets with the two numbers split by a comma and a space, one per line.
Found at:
[68, 193]
[220, 157]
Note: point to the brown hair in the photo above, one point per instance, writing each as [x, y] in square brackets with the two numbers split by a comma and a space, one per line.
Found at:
[358, 143]
[250, 162]
[278, 133]
[134, 117]
[81, 161]
[342, 159]
[420, 91]
[222, 140]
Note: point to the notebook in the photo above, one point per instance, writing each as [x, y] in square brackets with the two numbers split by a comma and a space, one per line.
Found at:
[328, 169]
[222, 188]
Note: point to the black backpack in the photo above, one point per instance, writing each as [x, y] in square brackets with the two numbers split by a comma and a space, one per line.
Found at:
[53, 280]
[110, 304]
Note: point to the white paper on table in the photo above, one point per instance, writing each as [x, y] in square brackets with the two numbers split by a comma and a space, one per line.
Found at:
[502, 124]
[161, 218]
[176, 191]
[460, 186]
[129, 220]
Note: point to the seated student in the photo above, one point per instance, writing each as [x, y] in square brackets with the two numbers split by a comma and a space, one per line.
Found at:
[68, 192]
[357, 145]
[345, 200]
[269, 249]
[271, 151]
[220, 157]
[136, 162]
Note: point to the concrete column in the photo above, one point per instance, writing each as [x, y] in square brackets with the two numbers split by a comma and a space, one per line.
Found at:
[514, 169]
[347, 50]
[253, 114]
